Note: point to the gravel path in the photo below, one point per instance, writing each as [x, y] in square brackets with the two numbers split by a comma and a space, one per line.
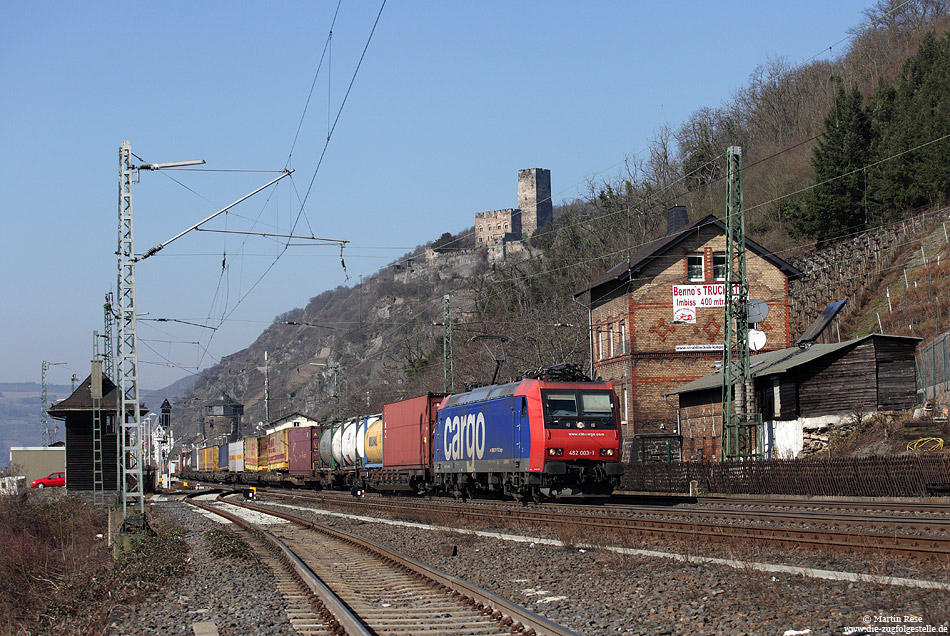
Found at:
[589, 591]
[238, 595]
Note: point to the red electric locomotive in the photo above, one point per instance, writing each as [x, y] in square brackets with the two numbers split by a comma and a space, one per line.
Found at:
[538, 437]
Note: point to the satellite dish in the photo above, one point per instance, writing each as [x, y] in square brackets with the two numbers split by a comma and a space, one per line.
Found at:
[758, 310]
[756, 339]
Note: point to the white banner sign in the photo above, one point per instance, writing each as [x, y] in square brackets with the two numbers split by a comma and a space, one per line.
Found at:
[699, 347]
[688, 298]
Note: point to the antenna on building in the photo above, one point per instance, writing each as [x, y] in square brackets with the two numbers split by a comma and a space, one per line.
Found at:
[44, 418]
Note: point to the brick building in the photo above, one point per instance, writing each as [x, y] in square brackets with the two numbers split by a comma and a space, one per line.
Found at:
[657, 317]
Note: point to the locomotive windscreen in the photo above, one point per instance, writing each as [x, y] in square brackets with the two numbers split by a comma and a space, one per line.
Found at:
[596, 404]
[578, 409]
[561, 404]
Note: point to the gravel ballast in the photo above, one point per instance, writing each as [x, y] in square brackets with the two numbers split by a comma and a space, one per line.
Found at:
[238, 594]
[589, 590]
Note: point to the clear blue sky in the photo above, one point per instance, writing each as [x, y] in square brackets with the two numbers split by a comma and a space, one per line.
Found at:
[451, 100]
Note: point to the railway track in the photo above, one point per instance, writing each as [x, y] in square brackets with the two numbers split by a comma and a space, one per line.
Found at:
[913, 537]
[305, 616]
[357, 587]
[863, 505]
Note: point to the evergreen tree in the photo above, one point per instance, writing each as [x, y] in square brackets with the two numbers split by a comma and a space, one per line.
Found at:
[915, 155]
[838, 204]
[881, 113]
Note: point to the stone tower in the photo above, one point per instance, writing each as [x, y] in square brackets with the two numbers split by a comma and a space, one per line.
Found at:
[534, 200]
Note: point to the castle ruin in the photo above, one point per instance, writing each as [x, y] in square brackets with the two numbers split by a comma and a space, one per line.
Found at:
[500, 232]
[499, 227]
[534, 200]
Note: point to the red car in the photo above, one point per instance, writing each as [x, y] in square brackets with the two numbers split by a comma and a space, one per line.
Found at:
[54, 479]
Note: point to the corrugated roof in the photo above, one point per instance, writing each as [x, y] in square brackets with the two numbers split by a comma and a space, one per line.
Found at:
[650, 251]
[781, 361]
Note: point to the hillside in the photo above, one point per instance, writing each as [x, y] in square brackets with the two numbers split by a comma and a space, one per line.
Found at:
[375, 332]
[357, 347]
[20, 415]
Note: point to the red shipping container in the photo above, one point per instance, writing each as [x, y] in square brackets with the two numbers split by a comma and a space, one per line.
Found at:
[302, 456]
[407, 431]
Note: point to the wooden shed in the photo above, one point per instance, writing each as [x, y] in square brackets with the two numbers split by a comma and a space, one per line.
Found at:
[802, 389]
[77, 413]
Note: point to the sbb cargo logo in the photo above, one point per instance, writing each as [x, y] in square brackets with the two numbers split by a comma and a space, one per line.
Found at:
[464, 437]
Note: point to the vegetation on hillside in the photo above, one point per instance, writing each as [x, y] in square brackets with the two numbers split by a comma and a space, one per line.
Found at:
[59, 575]
[829, 148]
[884, 155]
[820, 161]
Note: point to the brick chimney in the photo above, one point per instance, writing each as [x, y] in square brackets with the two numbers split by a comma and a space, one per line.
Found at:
[676, 219]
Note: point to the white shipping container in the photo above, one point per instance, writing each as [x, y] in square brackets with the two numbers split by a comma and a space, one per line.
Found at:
[236, 457]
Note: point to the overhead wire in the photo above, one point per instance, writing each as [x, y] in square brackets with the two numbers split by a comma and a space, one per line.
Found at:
[756, 163]
[342, 105]
[227, 313]
[306, 196]
[617, 287]
[413, 317]
[409, 320]
[710, 162]
[891, 226]
[303, 201]
[851, 172]
[747, 208]
[313, 84]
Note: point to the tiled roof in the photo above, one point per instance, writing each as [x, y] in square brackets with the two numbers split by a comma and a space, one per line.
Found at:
[81, 400]
[628, 268]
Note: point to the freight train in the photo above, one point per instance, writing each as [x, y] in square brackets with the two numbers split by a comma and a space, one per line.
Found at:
[536, 438]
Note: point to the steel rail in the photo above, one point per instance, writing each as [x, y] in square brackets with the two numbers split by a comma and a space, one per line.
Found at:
[858, 504]
[918, 545]
[921, 524]
[519, 619]
[938, 524]
[336, 611]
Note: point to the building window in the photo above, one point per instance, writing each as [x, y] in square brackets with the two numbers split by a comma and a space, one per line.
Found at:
[600, 344]
[624, 416]
[610, 336]
[623, 337]
[719, 267]
[694, 267]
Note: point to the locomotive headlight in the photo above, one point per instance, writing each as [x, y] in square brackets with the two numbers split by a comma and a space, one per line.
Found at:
[555, 452]
[580, 425]
[606, 452]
